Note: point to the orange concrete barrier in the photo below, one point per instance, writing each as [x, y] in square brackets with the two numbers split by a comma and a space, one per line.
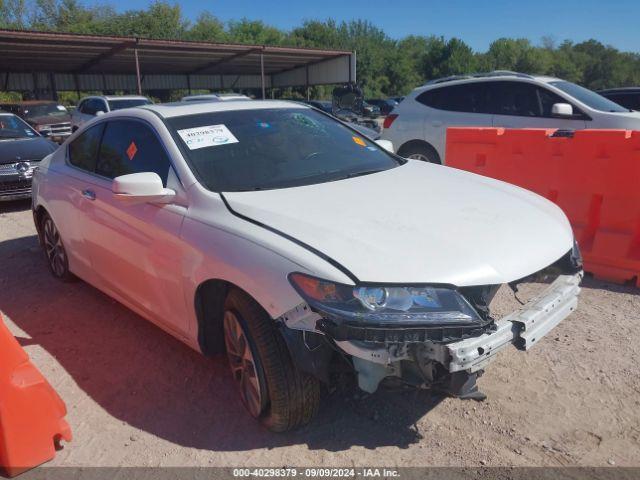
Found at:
[31, 412]
[593, 175]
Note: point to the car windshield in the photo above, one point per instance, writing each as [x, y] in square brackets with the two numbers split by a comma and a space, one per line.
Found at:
[45, 110]
[588, 97]
[127, 103]
[265, 149]
[13, 127]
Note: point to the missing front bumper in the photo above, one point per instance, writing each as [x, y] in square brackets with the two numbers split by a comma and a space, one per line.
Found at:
[430, 356]
[523, 328]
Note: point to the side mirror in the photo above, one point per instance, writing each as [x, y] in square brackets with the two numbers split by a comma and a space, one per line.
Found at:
[562, 110]
[99, 112]
[141, 187]
[386, 144]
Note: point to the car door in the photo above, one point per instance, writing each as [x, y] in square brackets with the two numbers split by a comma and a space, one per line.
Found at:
[519, 104]
[68, 186]
[459, 105]
[136, 250]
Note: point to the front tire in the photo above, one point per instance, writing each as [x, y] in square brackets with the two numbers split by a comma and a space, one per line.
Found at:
[272, 389]
[54, 250]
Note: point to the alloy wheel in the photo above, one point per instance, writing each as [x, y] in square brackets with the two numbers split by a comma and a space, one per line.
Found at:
[54, 249]
[242, 363]
[419, 156]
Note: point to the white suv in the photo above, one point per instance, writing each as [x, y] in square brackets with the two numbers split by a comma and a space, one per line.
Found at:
[90, 107]
[418, 125]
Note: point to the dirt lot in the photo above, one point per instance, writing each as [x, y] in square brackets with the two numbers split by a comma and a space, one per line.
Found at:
[136, 396]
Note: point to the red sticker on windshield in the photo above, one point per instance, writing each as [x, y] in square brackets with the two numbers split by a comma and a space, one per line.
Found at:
[131, 151]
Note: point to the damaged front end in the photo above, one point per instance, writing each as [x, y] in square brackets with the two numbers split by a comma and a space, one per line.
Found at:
[427, 336]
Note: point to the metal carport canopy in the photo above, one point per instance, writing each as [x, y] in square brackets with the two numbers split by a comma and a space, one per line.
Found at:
[51, 61]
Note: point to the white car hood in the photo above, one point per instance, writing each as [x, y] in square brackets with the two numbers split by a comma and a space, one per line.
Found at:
[418, 223]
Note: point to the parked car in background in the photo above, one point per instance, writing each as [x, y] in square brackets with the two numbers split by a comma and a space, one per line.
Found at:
[21, 150]
[89, 107]
[278, 234]
[418, 125]
[628, 97]
[47, 117]
[385, 104]
[364, 126]
[214, 97]
[370, 110]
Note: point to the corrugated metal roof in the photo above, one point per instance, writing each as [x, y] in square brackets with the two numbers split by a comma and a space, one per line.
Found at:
[28, 51]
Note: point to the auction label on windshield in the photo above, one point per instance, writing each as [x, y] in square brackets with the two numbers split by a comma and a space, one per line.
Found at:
[209, 136]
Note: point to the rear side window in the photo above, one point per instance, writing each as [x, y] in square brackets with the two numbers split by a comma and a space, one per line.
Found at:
[471, 97]
[129, 146]
[515, 98]
[83, 151]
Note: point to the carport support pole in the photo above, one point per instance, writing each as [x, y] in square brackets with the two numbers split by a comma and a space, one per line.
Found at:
[262, 75]
[135, 54]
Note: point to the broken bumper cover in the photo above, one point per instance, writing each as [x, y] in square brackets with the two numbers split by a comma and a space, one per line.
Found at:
[522, 328]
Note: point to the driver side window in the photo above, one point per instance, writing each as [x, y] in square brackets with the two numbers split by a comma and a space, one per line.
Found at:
[129, 146]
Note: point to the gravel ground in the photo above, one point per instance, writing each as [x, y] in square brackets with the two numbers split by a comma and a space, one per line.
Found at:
[137, 396]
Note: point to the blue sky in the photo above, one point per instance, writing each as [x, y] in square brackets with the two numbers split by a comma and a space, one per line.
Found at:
[476, 22]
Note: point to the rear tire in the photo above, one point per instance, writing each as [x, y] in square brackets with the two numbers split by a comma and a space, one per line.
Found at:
[420, 151]
[288, 398]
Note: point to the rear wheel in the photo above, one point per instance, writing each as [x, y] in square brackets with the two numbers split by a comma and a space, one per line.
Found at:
[54, 250]
[272, 389]
[420, 151]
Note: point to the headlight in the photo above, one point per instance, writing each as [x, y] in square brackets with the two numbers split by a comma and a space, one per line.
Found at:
[386, 305]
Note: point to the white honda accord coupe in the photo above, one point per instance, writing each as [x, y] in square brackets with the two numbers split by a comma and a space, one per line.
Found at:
[306, 251]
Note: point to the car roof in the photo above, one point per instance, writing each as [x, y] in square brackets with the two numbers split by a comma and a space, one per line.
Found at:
[118, 97]
[480, 77]
[179, 109]
[216, 97]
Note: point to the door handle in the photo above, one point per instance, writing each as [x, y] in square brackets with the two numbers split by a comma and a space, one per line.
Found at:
[89, 194]
[436, 123]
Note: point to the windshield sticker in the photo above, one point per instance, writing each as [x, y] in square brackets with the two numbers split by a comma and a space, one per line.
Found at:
[132, 150]
[61, 108]
[359, 141]
[28, 132]
[209, 136]
[263, 125]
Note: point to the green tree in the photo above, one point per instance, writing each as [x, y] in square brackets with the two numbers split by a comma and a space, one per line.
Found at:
[254, 32]
[206, 28]
[13, 14]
